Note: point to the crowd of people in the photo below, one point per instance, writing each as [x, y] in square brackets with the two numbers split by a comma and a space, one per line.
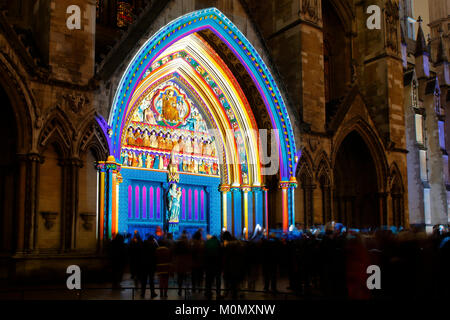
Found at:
[325, 263]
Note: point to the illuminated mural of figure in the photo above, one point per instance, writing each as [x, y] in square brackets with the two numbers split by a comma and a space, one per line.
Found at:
[174, 196]
[208, 168]
[173, 169]
[197, 117]
[149, 116]
[188, 145]
[140, 161]
[148, 161]
[176, 146]
[146, 139]
[169, 143]
[213, 149]
[161, 162]
[156, 162]
[130, 158]
[202, 125]
[130, 137]
[124, 158]
[197, 148]
[180, 144]
[202, 147]
[153, 140]
[182, 109]
[195, 166]
[166, 161]
[135, 117]
[191, 166]
[200, 167]
[169, 106]
[134, 161]
[138, 138]
[185, 165]
[208, 148]
[160, 140]
[215, 169]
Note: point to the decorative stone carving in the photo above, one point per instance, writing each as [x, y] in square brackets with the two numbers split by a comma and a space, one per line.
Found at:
[392, 21]
[313, 143]
[75, 102]
[49, 218]
[88, 219]
[310, 9]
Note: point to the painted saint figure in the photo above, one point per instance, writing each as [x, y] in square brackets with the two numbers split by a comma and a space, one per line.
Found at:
[174, 203]
[173, 175]
[169, 106]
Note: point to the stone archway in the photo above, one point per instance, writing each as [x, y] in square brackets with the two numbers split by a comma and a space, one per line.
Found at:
[356, 189]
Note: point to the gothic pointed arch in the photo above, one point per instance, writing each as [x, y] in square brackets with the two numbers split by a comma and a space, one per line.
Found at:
[372, 140]
[396, 190]
[305, 177]
[213, 20]
[93, 138]
[22, 100]
[187, 101]
[57, 130]
[323, 165]
[325, 182]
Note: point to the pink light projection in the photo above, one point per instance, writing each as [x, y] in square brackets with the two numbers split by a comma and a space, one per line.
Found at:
[130, 201]
[144, 203]
[151, 207]
[137, 202]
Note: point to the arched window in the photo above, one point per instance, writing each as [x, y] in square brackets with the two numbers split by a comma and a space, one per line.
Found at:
[124, 13]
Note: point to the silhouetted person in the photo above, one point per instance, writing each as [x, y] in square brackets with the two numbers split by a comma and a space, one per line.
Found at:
[118, 255]
[270, 262]
[181, 260]
[197, 248]
[234, 265]
[163, 267]
[147, 265]
[134, 252]
[213, 266]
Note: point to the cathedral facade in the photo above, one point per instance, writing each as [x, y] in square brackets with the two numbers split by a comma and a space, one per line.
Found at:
[105, 114]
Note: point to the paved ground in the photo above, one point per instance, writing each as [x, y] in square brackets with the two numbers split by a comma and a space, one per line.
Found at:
[131, 291]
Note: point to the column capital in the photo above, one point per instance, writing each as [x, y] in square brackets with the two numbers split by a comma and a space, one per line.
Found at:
[224, 188]
[30, 157]
[284, 185]
[246, 188]
[119, 178]
[109, 165]
[71, 162]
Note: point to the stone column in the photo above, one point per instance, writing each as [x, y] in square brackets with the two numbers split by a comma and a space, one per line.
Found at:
[245, 191]
[284, 186]
[21, 200]
[70, 202]
[31, 201]
[224, 189]
[266, 209]
[101, 204]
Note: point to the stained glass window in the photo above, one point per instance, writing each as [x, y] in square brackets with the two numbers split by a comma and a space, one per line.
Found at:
[124, 13]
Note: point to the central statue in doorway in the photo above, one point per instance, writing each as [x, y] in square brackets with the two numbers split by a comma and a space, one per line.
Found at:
[174, 197]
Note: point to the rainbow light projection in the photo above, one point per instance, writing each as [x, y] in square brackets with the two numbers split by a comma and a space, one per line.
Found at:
[177, 65]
